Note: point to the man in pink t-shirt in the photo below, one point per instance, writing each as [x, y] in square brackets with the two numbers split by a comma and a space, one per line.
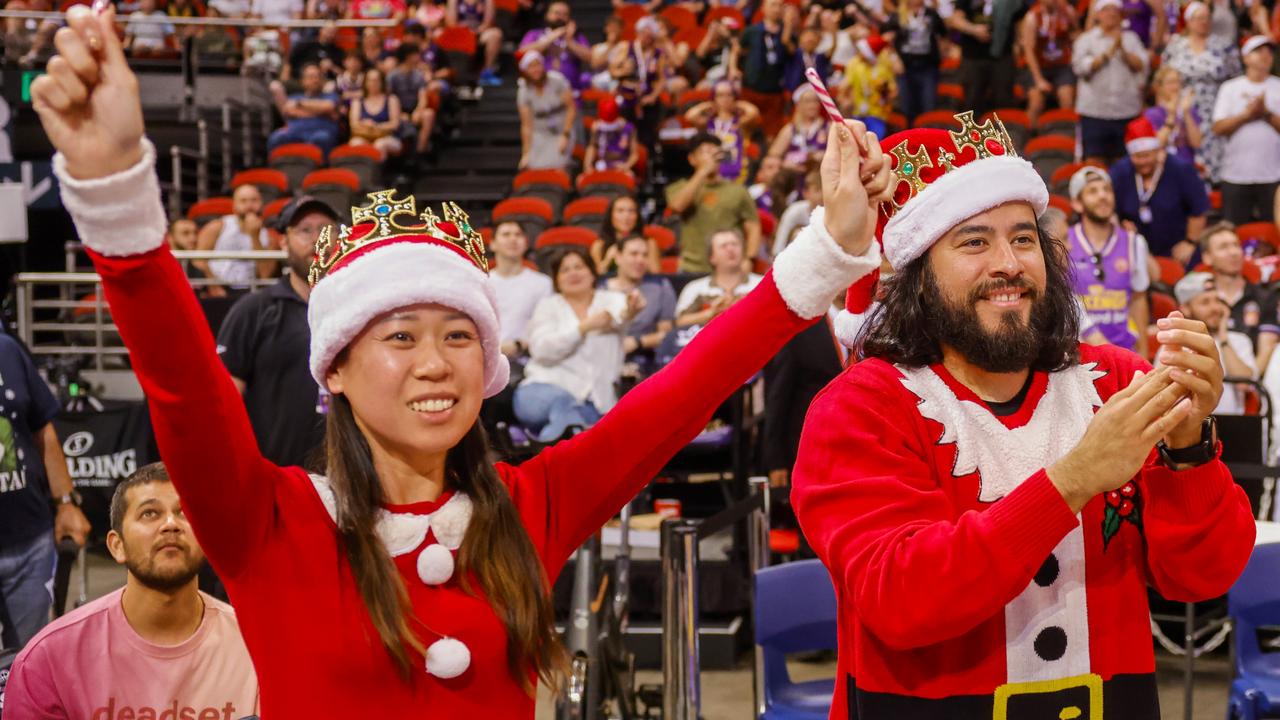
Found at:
[158, 649]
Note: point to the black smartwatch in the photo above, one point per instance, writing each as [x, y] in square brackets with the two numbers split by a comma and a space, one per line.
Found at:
[1196, 455]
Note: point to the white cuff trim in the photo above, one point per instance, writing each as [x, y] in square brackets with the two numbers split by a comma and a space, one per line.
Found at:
[813, 269]
[119, 214]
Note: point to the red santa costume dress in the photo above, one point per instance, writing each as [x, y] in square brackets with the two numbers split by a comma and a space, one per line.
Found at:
[270, 531]
[966, 586]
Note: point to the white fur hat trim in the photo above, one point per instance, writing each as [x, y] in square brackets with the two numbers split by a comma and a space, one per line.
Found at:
[395, 276]
[448, 658]
[435, 564]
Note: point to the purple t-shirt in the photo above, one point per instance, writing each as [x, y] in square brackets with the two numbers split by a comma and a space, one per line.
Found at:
[1178, 139]
[560, 58]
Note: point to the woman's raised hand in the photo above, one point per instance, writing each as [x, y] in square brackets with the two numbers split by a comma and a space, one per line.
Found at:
[88, 101]
[855, 179]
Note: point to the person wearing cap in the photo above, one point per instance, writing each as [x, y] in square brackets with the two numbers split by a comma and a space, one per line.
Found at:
[991, 497]
[412, 579]
[264, 339]
[1159, 193]
[1109, 263]
[1204, 60]
[547, 111]
[705, 203]
[1111, 64]
[1198, 299]
[1247, 114]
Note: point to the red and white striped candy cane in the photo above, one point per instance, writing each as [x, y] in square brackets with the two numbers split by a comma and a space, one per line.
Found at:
[815, 81]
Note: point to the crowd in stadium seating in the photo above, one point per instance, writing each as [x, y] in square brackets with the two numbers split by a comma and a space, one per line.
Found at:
[663, 167]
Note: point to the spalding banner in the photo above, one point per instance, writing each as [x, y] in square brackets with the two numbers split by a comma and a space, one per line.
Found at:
[103, 448]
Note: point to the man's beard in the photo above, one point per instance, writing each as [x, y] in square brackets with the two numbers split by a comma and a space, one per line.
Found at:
[299, 265]
[1097, 219]
[146, 573]
[1011, 347]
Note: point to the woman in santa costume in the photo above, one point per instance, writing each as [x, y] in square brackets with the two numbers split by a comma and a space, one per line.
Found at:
[412, 580]
[991, 497]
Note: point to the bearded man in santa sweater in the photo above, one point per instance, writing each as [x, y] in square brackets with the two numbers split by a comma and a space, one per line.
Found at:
[991, 497]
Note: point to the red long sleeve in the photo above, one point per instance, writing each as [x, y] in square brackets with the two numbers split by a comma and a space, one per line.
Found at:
[201, 426]
[570, 490]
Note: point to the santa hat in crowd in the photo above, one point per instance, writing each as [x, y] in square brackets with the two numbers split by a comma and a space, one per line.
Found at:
[1253, 42]
[391, 257]
[1140, 136]
[870, 47]
[943, 177]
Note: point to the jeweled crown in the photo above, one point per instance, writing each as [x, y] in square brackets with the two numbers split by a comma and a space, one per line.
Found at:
[986, 139]
[376, 223]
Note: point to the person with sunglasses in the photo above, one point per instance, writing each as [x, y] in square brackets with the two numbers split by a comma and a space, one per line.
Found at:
[1109, 263]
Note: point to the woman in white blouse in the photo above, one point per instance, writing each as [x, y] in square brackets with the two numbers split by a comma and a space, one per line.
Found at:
[575, 349]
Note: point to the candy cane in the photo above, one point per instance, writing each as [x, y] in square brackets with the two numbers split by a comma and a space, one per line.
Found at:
[815, 81]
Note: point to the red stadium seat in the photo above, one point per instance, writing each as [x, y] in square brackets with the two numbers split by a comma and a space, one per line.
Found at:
[784, 541]
[591, 98]
[270, 182]
[337, 187]
[1250, 271]
[724, 11]
[690, 36]
[553, 186]
[1262, 231]
[1048, 153]
[295, 160]
[587, 212]
[1062, 203]
[607, 183]
[564, 235]
[210, 209]
[768, 223]
[1171, 271]
[533, 213]
[941, 119]
[1060, 121]
[274, 207]
[1161, 305]
[681, 17]
[665, 239]
[951, 95]
[458, 43]
[1060, 179]
[630, 14]
[363, 160]
[1017, 122]
[669, 265]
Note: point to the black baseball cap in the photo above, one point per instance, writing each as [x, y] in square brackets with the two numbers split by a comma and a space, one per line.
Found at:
[299, 207]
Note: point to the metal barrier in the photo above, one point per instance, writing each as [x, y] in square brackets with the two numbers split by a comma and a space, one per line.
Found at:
[200, 156]
[45, 300]
[681, 672]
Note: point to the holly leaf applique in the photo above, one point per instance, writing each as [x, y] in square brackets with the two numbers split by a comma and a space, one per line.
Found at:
[1124, 504]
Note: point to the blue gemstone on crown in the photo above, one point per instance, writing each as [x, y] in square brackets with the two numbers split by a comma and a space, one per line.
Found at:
[382, 209]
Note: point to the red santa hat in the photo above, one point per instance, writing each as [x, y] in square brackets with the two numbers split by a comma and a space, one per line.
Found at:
[380, 264]
[944, 177]
[1140, 136]
[871, 46]
[1253, 42]
[607, 109]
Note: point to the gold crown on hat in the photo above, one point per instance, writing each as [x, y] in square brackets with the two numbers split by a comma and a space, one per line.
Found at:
[971, 135]
[377, 222]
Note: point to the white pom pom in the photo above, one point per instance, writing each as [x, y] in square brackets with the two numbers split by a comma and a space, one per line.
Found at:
[448, 658]
[435, 564]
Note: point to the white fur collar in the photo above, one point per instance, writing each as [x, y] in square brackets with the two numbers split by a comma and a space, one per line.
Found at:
[403, 532]
[1004, 457]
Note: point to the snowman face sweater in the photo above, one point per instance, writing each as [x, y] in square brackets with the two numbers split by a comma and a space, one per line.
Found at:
[965, 584]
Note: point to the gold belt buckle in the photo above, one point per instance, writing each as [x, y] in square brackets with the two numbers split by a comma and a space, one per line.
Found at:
[1091, 681]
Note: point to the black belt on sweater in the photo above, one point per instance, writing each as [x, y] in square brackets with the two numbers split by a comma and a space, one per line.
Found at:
[1088, 697]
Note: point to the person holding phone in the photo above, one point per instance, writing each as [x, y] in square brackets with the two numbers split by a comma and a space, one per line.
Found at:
[706, 202]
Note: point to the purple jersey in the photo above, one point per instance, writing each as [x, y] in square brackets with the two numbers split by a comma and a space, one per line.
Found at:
[1139, 17]
[1104, 284]
[806, 141]
[729, 132]
[560, 58]
[647, 66]
[613, 143]
[471, 13]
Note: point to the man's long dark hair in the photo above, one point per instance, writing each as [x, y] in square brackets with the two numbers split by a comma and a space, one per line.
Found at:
[900, 331]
